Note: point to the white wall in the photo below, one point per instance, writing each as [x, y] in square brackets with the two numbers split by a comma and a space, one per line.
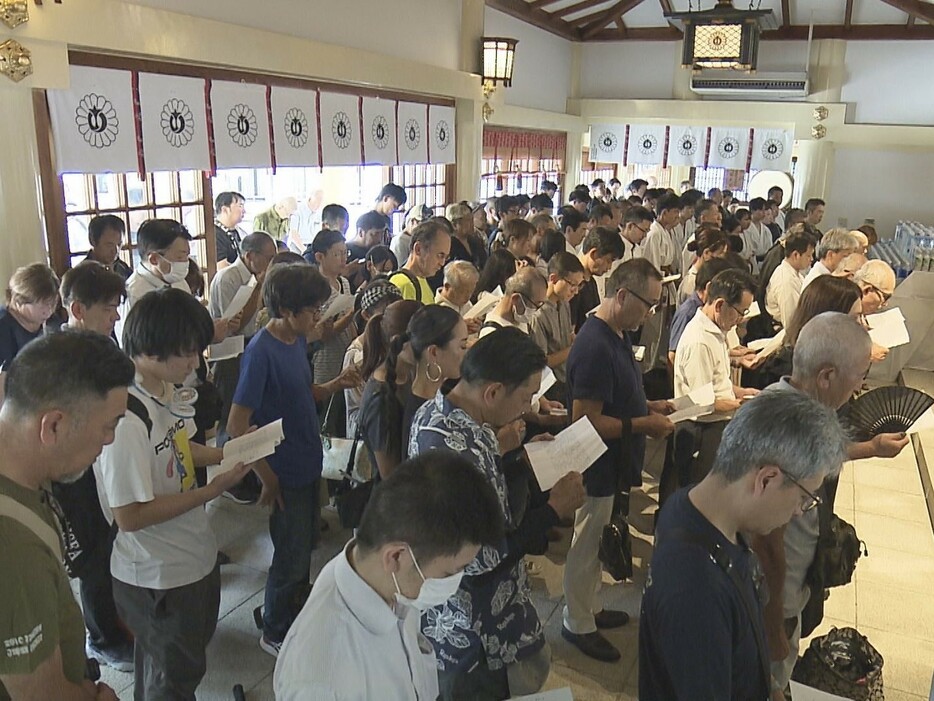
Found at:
[629, 69]
[889, 82]
[542, 74]
[881, 185]
[427, 31]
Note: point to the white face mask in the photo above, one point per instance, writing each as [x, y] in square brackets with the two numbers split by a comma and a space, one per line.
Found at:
[525, 317]
[177, 273]
[434, 592]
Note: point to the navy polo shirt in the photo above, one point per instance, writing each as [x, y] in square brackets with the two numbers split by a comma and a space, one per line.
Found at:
[601, 367]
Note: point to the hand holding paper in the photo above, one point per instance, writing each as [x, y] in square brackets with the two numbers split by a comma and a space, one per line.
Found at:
[228, 348]
[252, 446]
[340, 305]
[888, 328]
[573, 450]
[485, 303]
[697, 403]
[238, 302]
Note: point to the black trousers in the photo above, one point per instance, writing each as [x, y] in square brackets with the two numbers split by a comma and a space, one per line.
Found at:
[97, 603]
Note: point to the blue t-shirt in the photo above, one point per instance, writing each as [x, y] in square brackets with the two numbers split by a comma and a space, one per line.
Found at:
[696, 642]
[682, 317]
[601, 367]
[275, 382]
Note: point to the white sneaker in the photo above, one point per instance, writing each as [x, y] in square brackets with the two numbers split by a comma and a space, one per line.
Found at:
[269, 647]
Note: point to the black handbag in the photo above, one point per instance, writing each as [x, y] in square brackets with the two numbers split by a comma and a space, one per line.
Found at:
[350, 495]
[615, 552]
[844, 663]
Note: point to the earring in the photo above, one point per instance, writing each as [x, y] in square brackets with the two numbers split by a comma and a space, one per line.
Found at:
[428, 373]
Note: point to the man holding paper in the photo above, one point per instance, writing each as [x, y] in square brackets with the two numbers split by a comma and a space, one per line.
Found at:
[164, 562]
[605, 385]
[488, 637]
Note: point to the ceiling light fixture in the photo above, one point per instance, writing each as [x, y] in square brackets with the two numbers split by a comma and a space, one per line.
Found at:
[722, 37]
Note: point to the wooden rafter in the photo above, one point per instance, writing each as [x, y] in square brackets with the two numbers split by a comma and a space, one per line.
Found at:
[858, 32]
[665, 5]
[594, 23]
[520, 10]
[786, 13]
[911, 20]
[577, 7]
[539, 4]
[848, 14]
[915, 8]
[621, 25]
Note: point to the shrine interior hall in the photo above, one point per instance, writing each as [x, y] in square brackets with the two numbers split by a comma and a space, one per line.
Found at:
[328, 101]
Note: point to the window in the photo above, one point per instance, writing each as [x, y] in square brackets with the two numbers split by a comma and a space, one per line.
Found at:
[430, 185]
[175, 195]
[705, 179]
[523, 176]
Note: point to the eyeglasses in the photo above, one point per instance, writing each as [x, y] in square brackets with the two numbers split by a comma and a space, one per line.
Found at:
[572, 285]
[882, 295]
[653, 306]
[742, 312]
[530, 303]
[644, 232]
[813, 500]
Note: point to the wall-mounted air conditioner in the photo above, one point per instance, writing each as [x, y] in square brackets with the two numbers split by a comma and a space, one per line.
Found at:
[760, 86]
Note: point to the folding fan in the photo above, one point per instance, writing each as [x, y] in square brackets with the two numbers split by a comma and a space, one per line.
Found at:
[887, 410]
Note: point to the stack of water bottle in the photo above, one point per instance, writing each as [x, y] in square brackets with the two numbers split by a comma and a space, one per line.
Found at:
[911, 249]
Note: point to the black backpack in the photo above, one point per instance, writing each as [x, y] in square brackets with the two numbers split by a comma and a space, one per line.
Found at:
[414, 280]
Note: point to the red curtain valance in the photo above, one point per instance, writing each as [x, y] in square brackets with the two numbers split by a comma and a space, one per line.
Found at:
[513, 144]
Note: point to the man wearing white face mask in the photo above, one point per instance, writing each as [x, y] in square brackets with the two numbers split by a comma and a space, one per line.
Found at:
[163, 246]
[423, 525]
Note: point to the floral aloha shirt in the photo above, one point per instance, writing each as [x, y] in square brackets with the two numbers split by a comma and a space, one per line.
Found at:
[492, 613]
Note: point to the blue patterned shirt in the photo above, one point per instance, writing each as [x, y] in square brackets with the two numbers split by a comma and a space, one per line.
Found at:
[492, 613]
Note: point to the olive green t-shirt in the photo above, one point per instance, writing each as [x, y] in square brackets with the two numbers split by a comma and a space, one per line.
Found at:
[37, 608]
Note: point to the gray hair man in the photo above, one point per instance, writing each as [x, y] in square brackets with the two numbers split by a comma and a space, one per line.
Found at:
[831, 359]
[700, 633]
[877, 281]
[833, 247]
[525, 294]
[848, 266]
[460, 281]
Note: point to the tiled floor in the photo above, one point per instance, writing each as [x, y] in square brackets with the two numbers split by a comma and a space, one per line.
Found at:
[889, 601]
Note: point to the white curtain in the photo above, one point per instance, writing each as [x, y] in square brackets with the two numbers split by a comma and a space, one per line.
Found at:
[607, 143]
[241, 125]
[295, 126]
[412, 123]
[646, 144]
[443, 142]
[379, 131]
[340, 129]
[175, 123]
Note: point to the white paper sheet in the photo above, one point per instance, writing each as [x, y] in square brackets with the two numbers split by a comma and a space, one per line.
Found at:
[228, 348]
[639, 353]
[548, 381]
[340, 305]
[694, 404]
[485, 303]
[555, 695]
[671, 278]
[888, 328]
[253, 446]
[573, 450]
[767, 346]
[753, 310]
[239, 301]
[800, 692]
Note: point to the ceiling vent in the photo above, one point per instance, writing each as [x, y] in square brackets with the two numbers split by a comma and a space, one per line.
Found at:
[760, 86]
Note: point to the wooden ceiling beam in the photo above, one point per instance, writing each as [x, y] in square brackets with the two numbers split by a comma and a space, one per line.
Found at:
[848, 14]
[858, 32]
[621, 25]
[665, 5]
[594, 23]
[520, 10]
[576, 7]
[786, 13]
[915, 8]
[539, 4]
[911, 20]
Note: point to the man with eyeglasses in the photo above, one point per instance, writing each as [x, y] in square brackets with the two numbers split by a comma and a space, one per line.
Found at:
[701, 635]
[702, 357]
[605, 385]
[829, 372]
[632, 231]
[877, 281]
[525, 294]
[551, 327]
[599, 249]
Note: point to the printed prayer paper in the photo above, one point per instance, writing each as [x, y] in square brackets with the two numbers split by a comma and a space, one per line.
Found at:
[548, 381]
[693, 405]
[238, 302]
[485, 303]
[340, 305]
[253, 446]
[575, 449]
[888, 328]
[753, 310]
[226, 349]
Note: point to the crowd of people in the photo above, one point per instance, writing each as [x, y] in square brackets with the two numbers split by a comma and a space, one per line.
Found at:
[428, 349]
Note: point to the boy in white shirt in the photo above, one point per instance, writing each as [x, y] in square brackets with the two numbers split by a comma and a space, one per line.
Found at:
[422, 527]
[164, 562]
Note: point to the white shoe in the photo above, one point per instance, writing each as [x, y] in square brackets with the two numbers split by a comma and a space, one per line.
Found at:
[269, 647]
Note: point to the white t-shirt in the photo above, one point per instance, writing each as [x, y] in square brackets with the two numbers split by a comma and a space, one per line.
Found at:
[347, 644]
[137, 467]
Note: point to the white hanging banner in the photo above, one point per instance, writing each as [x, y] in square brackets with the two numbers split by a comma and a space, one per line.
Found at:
[175, 122]
[94, 123]
[295, 126]
[771, 150]
[379, 131]
[687, 146]
[241, 125]
[412, 123]
[442, 143]
[607, 143]
[339, 117]
[646, 144]
[729, 147]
